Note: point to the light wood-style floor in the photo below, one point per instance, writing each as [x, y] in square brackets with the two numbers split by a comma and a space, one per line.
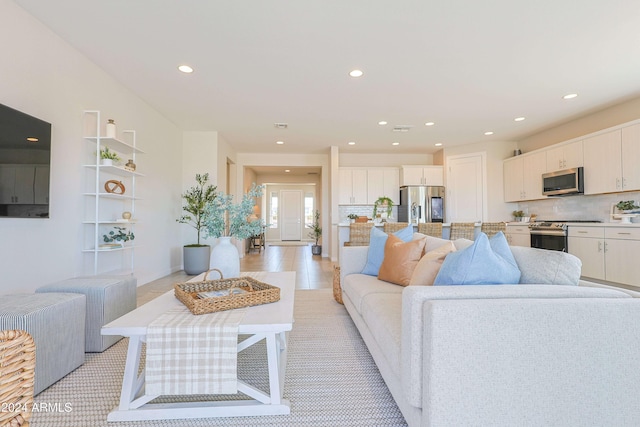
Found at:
[312, 272]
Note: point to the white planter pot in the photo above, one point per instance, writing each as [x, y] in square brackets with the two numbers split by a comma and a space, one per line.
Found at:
[106, 162]
[225, 257]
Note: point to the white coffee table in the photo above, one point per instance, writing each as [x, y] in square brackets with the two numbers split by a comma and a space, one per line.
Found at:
[271, 322]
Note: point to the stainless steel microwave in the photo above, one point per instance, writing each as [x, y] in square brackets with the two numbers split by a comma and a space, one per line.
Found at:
[563, 183]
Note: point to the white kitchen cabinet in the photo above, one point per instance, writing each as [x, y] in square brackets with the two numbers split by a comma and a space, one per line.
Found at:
[603, 163]
[518, 235]
[607, 253]
[383, 182]
[17, 184]
[565, 156]
[422, 175]
[41, 185]
[587, 243]
[522, 177]
[622, 244]
[353, 186]
[631, 158]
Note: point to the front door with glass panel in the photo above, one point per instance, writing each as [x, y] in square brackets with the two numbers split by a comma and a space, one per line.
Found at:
[291, 215]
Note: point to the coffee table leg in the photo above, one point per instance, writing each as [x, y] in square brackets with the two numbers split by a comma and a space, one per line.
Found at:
[275, 367]
[130, 383]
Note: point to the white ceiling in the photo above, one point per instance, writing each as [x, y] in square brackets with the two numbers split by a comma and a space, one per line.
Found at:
[469, 66]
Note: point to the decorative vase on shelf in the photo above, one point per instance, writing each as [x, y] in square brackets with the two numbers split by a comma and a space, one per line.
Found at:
[106, 162]
[225, 257]
[111, 129]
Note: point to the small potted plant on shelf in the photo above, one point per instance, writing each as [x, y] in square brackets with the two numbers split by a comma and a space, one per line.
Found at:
[196, 255]
[352, 217]
[107, 157]
[316, 233]
[384, 204]
[118, 235]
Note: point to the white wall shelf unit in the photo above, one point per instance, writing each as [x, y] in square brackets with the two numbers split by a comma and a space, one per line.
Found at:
[103, 210]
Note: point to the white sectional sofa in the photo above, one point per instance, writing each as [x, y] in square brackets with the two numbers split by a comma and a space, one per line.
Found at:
[530, 354]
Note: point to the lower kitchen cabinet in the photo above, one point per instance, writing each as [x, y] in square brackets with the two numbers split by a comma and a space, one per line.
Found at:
[607, 253]
[518, 235]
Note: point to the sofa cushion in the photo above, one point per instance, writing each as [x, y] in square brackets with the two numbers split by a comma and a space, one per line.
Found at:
[377, 240]
[486, 261]
[357, 286]
[400, 259]
[383, 315]
[429, 265]
[560, 268]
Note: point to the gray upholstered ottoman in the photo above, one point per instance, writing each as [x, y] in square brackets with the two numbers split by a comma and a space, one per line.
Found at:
[56, 323]
[108, 297]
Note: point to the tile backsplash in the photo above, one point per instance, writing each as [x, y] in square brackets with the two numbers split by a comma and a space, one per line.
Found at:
[596, 207]
[360, 210]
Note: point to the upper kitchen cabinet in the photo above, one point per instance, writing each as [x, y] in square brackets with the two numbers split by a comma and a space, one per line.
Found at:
[610, 161]
[565, 156]
[383, 182]
[422, 175]
[523, 177]
[353, 186]
[630, 158]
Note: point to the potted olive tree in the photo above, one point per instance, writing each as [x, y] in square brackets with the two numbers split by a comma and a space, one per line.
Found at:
[196, 198]
[316, 233]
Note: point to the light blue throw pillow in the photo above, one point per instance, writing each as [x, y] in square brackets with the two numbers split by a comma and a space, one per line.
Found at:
[486, 262]
[377, 239]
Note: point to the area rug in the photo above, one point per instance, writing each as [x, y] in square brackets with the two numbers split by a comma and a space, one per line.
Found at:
[290, 243]
[331, 380]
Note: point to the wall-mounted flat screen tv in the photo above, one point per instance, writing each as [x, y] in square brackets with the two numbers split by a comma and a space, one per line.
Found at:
[25, 162]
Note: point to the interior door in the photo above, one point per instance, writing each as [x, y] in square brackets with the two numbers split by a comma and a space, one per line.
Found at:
[291, 214]
[466, 183]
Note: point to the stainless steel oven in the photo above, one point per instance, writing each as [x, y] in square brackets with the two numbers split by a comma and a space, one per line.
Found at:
[552, 235]
[549, 235]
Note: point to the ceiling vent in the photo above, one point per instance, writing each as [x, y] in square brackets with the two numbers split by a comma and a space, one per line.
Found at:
[280, 125]
[402, 128]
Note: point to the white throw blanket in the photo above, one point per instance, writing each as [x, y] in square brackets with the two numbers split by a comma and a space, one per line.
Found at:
[189, 354]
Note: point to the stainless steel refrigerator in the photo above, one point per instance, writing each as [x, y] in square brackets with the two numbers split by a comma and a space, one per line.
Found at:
[419, 203]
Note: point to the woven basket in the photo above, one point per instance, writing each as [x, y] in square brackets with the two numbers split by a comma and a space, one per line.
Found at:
[337, 290]
[257, 293]
[17, 375]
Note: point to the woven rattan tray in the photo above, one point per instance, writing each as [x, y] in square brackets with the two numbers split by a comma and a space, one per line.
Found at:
[256, 293]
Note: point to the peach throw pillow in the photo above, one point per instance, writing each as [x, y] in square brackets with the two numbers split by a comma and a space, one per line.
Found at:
[427, 269]
[400, 259]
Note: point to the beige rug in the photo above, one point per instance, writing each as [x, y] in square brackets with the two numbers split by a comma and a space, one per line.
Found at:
[331, 380]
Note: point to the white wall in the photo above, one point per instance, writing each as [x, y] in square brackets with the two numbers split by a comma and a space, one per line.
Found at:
[44, 77]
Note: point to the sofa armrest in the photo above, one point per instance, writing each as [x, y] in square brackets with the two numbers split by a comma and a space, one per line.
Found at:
[352, 260]
[413, 322]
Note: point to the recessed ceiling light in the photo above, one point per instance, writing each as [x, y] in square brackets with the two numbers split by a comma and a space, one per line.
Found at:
[395, 143]
[287, 170]
[570, 96]
[429, 124]
[382, 123]
[32, 139]
[356, 73]
[438, 144]
[351, 143]
[518, 119]
[279, 142]
[185, 69]
[488, 133]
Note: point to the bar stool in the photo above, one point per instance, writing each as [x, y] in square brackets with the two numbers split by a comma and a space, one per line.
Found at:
[359, 234]
[433, 229]
[462, 230]
[492, 228]
[391, 227]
